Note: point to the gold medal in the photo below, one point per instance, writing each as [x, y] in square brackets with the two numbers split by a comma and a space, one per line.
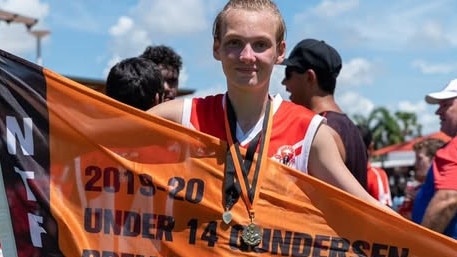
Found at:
[252, 235]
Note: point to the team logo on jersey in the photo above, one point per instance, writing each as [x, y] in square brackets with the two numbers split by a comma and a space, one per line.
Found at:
[285, 155]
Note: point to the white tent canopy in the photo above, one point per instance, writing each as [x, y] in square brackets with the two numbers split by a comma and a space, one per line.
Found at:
[396, 159]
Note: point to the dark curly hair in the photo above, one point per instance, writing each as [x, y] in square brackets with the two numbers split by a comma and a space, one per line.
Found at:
[135, 81]
[163, 55]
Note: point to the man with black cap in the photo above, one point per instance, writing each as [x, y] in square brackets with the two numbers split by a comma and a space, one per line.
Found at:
[310, 77]
[435, 205]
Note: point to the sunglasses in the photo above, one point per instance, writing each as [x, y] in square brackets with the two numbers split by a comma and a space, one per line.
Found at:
[290, 69]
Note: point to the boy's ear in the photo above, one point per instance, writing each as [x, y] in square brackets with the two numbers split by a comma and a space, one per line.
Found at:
[216, 47]
[311, 75]
[281, 52]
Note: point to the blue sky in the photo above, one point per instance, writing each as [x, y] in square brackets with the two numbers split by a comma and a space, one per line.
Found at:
[394, 52]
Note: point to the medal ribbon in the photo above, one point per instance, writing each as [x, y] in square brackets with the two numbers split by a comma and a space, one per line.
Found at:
[243, 166]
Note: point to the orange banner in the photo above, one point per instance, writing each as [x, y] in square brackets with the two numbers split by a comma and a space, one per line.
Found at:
[83, 175]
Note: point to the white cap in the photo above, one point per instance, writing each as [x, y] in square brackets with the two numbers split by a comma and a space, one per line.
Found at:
[450, 91]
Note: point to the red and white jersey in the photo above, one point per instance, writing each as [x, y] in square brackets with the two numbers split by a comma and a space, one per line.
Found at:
[293, 128]
[378, 184]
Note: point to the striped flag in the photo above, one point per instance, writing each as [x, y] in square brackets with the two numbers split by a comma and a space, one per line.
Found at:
[84, 175]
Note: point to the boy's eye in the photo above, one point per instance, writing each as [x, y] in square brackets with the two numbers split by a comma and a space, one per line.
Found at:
[260, 45]
[234, 43]
[257, 46]
[290, 69]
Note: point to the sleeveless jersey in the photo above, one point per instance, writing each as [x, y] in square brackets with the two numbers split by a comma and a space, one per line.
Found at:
[293, 128]
[378, 184]
[356, 153]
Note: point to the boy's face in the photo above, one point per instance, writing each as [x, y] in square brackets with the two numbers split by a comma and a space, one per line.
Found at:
[247, 47]
[170, 82]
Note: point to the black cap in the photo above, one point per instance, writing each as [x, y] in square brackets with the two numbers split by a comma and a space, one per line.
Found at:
[315, 54]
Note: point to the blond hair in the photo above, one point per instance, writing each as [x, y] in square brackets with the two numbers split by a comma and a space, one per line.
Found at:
[251, 5]
[429, 145]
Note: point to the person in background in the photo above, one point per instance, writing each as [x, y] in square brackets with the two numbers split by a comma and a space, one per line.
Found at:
[377, 179]
[136, 82]
[248, 40]
[435, 205]
[424, 151]
[310, 76]
[398, 177]
[170, 64]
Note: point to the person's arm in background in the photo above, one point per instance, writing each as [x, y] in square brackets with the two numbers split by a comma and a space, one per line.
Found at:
[441, 209]
[443, 206]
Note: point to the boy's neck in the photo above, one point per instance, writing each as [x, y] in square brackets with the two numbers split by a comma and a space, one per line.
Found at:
[248, 107]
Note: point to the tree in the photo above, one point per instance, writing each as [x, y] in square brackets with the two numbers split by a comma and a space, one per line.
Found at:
[385, 128]
[390, 129]
[408, 123]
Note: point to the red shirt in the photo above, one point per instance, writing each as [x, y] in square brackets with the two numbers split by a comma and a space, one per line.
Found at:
[445, 166]
[378, 184]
